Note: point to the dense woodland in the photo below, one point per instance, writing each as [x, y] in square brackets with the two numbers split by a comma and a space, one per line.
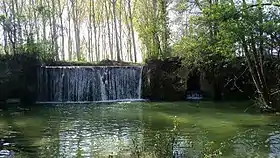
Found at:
[89, 30]
[205, 33]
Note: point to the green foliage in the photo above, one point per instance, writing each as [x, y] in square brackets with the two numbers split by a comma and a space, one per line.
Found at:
[189, 49]
[2, 18]
[42, 50]
[1, 49]
[152, 28]
[220, 29]
[181, 6]
[205, 41]
[227, 28]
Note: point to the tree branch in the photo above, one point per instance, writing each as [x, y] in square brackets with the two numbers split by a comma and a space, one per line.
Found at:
[263, 4]
[235, 79]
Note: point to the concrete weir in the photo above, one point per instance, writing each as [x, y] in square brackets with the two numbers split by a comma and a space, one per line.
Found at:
[83, 84]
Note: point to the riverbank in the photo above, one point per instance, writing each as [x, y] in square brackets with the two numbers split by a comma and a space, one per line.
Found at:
[162, 80]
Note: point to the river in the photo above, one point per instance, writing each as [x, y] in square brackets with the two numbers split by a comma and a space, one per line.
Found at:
[139, 129]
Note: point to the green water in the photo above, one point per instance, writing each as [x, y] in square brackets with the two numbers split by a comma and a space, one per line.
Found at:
[137, 130]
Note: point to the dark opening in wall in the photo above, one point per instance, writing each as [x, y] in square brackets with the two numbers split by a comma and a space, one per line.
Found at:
[194, 82]
[193, 87]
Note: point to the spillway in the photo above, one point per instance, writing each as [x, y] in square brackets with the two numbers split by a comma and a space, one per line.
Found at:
[88, 83]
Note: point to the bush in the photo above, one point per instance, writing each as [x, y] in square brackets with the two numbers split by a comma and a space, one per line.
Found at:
[42, 50]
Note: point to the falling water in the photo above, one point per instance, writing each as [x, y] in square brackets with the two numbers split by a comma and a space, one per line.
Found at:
[89, 83]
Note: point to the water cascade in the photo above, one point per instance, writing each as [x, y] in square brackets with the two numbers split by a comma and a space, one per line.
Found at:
[89, 83]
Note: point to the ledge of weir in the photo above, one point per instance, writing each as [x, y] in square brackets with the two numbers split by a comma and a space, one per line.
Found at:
[111, 63]
[92, 66]
[96, 102]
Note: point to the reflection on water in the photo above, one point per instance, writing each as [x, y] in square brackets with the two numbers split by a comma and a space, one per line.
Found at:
[137, 130]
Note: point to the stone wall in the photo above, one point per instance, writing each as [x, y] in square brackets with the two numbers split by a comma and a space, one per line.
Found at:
[170, 80]
[164, 80]
[18, 78]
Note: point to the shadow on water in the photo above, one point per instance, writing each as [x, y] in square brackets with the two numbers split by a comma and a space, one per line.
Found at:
[13, 136]
[231, 132]
[152, 130]
[22, 129]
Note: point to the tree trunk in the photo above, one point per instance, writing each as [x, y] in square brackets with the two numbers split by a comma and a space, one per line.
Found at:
[96, 41]
[116, 30]
[262, 90]
[54, 31]
[5, 30]
[69, 34]
[120, 28]
[165, 32]
[129, 37]
[61, 29]
[90, 55]
[104, 44]
[43, 21]
[19, 11]
[76, 29]
[6, 46]
[36, 21]
[108, 27]
[98, 53]
[51, 29]
[132, 31]
[14, 28]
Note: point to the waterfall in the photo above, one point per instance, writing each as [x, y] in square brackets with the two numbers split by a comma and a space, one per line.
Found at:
[89, 83]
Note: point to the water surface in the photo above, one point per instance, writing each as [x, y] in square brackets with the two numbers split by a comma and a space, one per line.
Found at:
[192, 130]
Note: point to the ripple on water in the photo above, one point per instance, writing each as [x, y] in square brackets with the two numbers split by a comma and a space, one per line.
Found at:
[87, 130]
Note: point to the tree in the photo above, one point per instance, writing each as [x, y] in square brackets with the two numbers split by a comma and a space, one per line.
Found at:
[76, 21]
[226, 28]
[114, 2]
[54, 30]
[69, 32]
[60, 12]
[110, 32]
[152, 27]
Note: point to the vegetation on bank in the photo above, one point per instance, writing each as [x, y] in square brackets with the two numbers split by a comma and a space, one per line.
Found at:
[230, 30]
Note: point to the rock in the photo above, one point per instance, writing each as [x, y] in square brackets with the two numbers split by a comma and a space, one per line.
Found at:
[194, 96]
[274, 145]
[7, 154]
